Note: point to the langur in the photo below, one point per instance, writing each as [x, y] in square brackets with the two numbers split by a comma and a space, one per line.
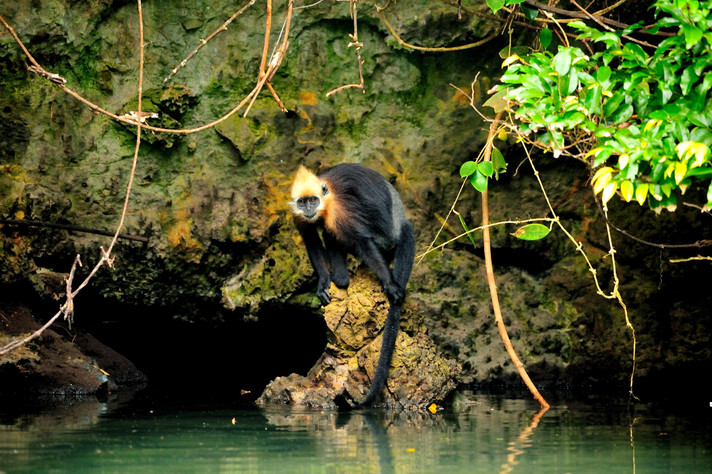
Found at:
[360, 213]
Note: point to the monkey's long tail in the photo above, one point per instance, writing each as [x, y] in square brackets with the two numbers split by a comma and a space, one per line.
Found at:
[390, 332]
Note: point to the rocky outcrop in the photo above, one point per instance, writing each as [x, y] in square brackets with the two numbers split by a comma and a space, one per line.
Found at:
[418, 376]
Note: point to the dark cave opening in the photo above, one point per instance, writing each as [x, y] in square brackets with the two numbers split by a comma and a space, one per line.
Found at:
[220, 357]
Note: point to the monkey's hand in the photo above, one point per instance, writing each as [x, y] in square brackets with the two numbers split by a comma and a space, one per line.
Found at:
[322, 290]
[394, 292]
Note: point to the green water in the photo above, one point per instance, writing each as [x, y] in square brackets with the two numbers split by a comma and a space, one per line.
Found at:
[483, 434]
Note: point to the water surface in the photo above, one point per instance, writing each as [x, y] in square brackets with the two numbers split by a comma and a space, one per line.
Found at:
[481, 434]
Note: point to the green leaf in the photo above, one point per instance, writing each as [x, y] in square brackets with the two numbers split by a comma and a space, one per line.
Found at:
[603, 73]
[545, 37]
[529, 13]
[570, 82]
[497, 101]
[464, 226]
[622, 114]
[479, 181]
[634, 51]
[467, 168]
[692, 35]
[688, 79]
[532, 232]
[611, 39]
[500, 165]
[533, 81]
[592, 99]
[486, 168]
[495, 5]
[562, 61]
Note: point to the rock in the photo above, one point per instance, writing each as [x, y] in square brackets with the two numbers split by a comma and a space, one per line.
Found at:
[52, 365]
[419, 374]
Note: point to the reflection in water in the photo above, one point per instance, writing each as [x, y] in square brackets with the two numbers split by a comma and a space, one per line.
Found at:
[477, 434]
[523, 441]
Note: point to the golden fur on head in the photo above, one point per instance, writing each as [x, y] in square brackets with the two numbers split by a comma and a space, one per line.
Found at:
[305, 184]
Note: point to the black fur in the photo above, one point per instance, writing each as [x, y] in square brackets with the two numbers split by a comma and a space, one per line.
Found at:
[372, 227]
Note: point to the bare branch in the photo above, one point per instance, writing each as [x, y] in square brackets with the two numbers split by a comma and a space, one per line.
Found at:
[436, 49]
[71, 228]
[205, 41]
[355, 43]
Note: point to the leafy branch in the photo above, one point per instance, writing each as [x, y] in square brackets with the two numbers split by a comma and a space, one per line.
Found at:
[640, 120]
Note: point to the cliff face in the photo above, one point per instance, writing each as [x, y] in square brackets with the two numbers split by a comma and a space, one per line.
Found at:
[211, 206]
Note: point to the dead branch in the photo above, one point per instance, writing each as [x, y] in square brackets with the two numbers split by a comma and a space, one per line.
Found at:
[435, 49]
[603, 25]
[355, 43]
[277, 57]
[572, 14]
[72, 228]
[205, 41]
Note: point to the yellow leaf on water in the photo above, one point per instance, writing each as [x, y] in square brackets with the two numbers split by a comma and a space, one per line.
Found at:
[433, 408]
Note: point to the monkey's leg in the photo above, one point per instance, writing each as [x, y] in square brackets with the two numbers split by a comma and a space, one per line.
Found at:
[373, 258]
[337, 258]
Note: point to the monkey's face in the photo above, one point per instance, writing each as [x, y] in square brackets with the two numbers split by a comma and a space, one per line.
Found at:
[308, 207]
[309, 196]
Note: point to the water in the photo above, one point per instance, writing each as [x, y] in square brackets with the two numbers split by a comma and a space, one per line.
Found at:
[481, 434]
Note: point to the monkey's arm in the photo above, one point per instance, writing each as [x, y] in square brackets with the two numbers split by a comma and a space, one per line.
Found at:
[337, 258]
[317, 256]
[371, 255]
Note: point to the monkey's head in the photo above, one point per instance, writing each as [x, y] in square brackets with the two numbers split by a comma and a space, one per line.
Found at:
[310, 196]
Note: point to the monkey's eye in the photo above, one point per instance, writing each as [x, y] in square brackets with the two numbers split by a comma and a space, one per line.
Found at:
[324, 189]
[307, 201]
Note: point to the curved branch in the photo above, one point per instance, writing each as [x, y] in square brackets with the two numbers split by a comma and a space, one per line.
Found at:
[491, 281]
[436, 49]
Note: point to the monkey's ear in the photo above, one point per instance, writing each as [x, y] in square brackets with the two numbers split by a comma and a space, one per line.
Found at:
[324, 189]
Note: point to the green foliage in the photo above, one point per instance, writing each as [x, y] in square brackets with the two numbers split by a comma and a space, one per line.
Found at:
[480, 173]
[496, 5]
[642, 119]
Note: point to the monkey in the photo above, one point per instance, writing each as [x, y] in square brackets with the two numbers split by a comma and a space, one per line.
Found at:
[355, 211]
